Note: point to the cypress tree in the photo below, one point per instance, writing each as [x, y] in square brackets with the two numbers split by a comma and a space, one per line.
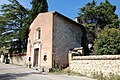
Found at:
[38, 6]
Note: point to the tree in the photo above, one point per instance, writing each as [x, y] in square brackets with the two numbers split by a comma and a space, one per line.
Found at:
[95, 18]
[23, 32]
[38, 6]
[13, 15]
[106, 16]
[15, 21]
[100, 16]
[108, 42]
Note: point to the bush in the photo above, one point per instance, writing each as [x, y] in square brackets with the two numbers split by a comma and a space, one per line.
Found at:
[110, 76]
[77, 54]
[108, 42]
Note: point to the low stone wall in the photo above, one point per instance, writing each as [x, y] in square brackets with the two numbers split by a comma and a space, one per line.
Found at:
[18, 59]
[90, 65]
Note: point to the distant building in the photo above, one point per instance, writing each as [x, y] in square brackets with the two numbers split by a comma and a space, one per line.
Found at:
[51, 37]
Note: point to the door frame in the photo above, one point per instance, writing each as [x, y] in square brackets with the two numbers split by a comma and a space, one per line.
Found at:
[35, 46]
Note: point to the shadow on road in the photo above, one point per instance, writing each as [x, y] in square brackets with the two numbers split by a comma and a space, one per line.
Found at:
[9, 76]
[10, 68]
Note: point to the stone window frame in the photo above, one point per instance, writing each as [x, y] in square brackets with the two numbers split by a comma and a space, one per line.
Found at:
[38, 33]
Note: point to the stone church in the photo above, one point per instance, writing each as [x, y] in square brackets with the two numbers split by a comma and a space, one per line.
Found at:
[51, 37]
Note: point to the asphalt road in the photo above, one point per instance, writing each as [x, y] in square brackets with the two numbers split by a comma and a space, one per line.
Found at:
[14, 72]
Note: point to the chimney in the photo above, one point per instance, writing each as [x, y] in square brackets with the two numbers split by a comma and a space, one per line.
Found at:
[76, 19]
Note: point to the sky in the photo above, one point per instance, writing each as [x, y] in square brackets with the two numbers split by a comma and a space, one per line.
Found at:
[69, 8]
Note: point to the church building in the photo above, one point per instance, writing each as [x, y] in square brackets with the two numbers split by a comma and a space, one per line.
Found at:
[51, 37]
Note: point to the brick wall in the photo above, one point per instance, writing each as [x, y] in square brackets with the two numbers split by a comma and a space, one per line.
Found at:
[88, 65]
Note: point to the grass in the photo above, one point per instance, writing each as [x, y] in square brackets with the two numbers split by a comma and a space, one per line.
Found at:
[95, 75]
[100, 76]
[65, 71]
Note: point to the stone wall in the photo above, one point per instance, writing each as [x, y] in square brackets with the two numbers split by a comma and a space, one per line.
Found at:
[90, 65]
[67, 35]
[19, 59]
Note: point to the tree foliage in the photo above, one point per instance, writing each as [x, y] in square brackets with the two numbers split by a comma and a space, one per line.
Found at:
[38, 6]
[97, 17]
[13, 17]
[106, 16]
[15, 21]
[108, 42]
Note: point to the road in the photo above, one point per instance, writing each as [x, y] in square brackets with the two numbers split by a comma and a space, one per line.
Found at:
[14, 72]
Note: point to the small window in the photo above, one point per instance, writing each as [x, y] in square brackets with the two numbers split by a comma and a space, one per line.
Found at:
[45, 58]
[29, 58]
[38, 33]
